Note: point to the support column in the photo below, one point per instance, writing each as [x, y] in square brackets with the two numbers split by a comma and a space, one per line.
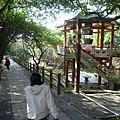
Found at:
[101, 46]
[73, 70]
[99, 80]
[112, 42]
[98, 38]
[102, 36]
[66, 74]
[78, 54]
[65, 38]
[64, 48]
[112, 37]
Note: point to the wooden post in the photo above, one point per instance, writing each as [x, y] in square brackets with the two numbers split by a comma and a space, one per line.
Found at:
[65, 38]
[101, 46]
[78, 68]
[65, 41]
[73, 70]
[99, 80]
[30, 67]
[98, 37]
[112, 37]
[78, 54]
[58, 86]
[65, 61]
[66, 74]
[50, 78]
[33, 68]
[43, 74]
[112, 42]
[102, 36]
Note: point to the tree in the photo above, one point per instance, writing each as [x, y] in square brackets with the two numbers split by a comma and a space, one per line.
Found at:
[10, 21]
[37, 39]
[102, 8]
[10, 31]
[13, 15]
[42, 9]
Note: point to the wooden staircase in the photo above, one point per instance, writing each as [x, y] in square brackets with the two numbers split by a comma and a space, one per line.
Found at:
[95, 65]
[91, 58]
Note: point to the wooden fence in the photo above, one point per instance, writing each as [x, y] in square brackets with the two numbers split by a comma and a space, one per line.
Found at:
[47, 74]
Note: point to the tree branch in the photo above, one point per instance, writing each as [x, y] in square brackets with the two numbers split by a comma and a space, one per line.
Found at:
[5, 6]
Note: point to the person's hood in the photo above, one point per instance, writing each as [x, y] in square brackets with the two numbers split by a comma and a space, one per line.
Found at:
[36, 89]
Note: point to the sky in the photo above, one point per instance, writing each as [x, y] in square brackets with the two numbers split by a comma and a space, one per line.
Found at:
[52, 23]
[59, 21]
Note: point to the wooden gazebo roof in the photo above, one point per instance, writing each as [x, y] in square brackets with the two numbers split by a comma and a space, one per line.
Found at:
[94, 20]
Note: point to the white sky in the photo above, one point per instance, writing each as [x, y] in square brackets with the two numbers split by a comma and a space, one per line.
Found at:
[59, 21]
[50, 23]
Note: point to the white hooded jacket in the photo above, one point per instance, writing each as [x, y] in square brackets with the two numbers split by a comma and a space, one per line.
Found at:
[39, 102]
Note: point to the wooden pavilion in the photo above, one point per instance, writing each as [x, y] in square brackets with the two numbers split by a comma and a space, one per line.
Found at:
[97, 57]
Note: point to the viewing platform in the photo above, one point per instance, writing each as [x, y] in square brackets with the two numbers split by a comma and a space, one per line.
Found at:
[98, 52]
[90, 57]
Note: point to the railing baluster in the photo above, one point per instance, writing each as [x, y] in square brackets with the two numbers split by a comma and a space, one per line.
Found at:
[50, 78]
[43, 74]
[58, 85]
[30, 67]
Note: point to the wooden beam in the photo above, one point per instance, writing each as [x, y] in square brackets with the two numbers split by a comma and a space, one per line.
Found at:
[73, 70]
[78, 54]
[112, 37]
[104, 31]
[112, 42]
[65, 38]
[102, 36]
[66, 74]
[99, 80]
[98, 38]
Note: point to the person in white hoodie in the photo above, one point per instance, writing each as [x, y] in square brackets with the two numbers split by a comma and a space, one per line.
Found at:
[39, 99]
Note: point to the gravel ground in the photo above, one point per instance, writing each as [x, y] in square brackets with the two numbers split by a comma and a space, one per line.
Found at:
[68, 109]
[78, 107]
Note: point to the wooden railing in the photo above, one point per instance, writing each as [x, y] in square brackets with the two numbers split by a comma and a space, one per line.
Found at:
[115, 51]
[98, 52]
[101, 53]
[47, 74]
[106, 52]
[109, 71]
[90, 56]
[64, 50]
[1, 68]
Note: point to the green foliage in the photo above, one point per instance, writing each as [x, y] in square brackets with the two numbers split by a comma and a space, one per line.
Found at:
[117, 39]
[37, 39]
[16, 19]
[69, 39]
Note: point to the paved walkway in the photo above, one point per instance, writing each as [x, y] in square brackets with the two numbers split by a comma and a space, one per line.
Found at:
[12, 98]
